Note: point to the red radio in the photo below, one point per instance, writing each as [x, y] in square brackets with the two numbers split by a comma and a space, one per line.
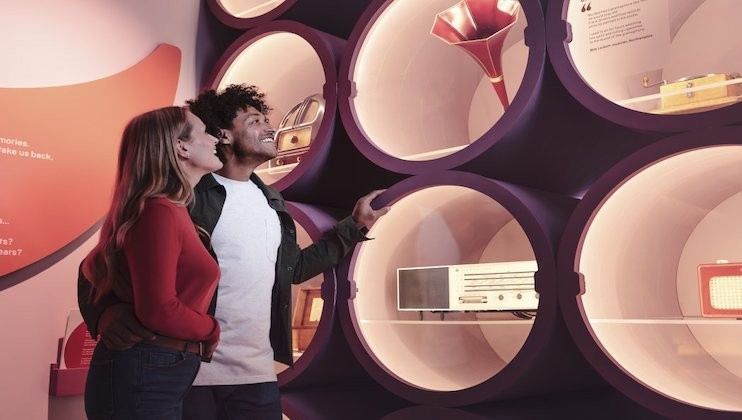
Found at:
[721, 289]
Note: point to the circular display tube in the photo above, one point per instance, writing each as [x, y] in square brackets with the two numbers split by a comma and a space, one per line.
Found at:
[630, 283]
[657, 65]
[289, 62]
[431, 335]
[244, 14]
[414, 99]
[319, 346]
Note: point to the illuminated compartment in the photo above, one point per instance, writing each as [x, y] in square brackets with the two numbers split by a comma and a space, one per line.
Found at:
[413, 102]
[658, 65]
[289, 62]
[318, 345]
[637, 240]
[452, 356]
[243, 14]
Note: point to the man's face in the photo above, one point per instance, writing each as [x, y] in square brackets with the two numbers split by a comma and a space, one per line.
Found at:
[252, 136]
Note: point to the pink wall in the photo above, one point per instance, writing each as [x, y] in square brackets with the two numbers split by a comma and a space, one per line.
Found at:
[54, 44]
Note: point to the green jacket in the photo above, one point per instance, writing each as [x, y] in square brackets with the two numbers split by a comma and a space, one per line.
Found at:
[293, 265]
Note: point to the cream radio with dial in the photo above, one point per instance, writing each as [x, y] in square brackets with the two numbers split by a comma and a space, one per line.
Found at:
[499, 286]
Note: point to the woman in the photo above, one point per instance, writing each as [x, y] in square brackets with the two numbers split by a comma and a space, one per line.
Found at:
[150, 255]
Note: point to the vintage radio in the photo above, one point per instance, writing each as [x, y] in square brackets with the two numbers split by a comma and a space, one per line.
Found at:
[692, 94]
[720, 287]
[306, 316]
[297, 130]
[500, 286]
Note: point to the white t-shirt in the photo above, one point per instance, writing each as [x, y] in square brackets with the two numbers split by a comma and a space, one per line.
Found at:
[246, 240]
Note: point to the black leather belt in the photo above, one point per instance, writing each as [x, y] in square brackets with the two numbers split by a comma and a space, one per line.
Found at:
[177, 344]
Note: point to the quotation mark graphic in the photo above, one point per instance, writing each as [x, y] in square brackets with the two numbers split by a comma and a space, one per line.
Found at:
[586, 8]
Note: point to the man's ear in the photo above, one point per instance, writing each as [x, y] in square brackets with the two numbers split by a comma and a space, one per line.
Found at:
[181, 148]
[225, 137]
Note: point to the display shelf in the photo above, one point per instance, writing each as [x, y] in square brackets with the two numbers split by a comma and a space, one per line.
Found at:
[628, 282]
[66, 382]
[669, 321]
[463, 220]
[413, 103]
[323, 350]
[245, 14]
[289, 62]
[653, 103]
[663, 66]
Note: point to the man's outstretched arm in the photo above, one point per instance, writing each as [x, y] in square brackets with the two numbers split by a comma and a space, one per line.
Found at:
[110, 318]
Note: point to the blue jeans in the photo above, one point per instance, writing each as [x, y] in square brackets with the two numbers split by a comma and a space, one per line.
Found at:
[144, 382]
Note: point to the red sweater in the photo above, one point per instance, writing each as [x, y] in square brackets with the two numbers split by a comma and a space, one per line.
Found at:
[172, 274]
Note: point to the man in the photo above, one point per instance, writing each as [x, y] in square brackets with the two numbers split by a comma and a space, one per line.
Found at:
[253, 237]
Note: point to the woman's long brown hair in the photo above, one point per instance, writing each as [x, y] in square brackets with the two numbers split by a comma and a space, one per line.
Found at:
[147, 167]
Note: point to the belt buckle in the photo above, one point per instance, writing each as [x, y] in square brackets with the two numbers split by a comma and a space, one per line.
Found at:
[202, 352]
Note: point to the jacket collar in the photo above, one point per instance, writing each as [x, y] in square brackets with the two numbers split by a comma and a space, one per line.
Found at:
[271, 194]
[274, 197]
[206, 183]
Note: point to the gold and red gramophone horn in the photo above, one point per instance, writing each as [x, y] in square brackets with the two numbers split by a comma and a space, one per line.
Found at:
[480, 28]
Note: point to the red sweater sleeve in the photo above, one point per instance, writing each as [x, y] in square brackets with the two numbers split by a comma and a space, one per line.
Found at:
[173, 276]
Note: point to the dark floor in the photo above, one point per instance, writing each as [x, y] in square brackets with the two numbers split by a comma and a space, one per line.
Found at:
[368, 401]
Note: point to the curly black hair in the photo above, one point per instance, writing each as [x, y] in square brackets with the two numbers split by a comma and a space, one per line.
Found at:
[217, 110]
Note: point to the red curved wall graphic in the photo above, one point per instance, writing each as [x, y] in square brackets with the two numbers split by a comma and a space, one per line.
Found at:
[58, 149]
